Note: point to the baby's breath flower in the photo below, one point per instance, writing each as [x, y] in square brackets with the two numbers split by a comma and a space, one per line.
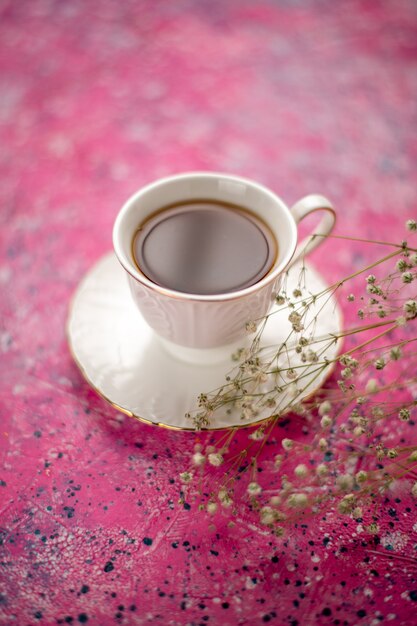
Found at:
[275, 500]
[357, 512]
[374, 290]
[411, 225]
[212, 507]
[250, 327]
[186, 477]
[358, 431]
[301, 470]
[361, 314]
[379, 451]
[296, 321]
[402, 265]
[261, 376]
[198, 458]
[346, 373]
[215, 459]
[401, 321]
[323, 445]
[407, 277]
[410, 309]
[396, 353]
[372, 528]
[312, 356]
[380, 363]
[278, 460]
[413, 456]
[297, 500]
[351, 297]
[345, 482]
[322, 469]
[371, 279]
[404, 414]
[347, 504]
[413, 259]
[325, 407]
[414, 490]
[225, 498]
[326, 421]
[270, 403]
[287, 444]
[291, 374]
[254, 489]
[267, 515]
[297, 293]
[361, 476]
[280, 300]
[257, 435]
[392, 453]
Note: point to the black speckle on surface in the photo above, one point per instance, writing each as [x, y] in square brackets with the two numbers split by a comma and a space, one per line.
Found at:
[326, 611]
[3, 483]
[361, 613]
[109, 567]
[147, 541]
[214, 552]
[85, 589]
[37, 615]
[37, 434]
[187, 506]
[83, 618]
[413, 595]
[225, 605]
[70, 511]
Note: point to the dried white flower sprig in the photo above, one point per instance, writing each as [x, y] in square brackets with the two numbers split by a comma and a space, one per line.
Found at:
[351, 448]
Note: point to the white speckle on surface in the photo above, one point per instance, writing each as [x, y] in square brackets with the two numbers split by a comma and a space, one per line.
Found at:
[249, 584]
[395, 540]
[5, 275]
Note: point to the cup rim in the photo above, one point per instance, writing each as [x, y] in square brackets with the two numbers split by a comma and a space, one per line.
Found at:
[132, 270]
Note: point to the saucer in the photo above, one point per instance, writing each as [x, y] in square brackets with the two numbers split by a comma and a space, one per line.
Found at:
[128, 365]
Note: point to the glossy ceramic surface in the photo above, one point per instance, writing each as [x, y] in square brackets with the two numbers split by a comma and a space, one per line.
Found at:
[127, 364]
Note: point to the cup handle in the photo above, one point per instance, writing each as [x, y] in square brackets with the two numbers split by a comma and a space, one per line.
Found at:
[304, 207]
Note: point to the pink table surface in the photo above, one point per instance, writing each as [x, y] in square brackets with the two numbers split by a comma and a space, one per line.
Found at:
[96, 99]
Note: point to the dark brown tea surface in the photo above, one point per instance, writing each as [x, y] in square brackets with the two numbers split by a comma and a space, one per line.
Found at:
[204, 248]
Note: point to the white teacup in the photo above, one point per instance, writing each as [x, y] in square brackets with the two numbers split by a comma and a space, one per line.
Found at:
[206, 328]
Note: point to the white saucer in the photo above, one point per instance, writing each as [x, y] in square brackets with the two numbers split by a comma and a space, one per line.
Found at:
[125, 362]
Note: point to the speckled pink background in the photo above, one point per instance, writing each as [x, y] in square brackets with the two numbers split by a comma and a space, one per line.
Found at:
[96, 99]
